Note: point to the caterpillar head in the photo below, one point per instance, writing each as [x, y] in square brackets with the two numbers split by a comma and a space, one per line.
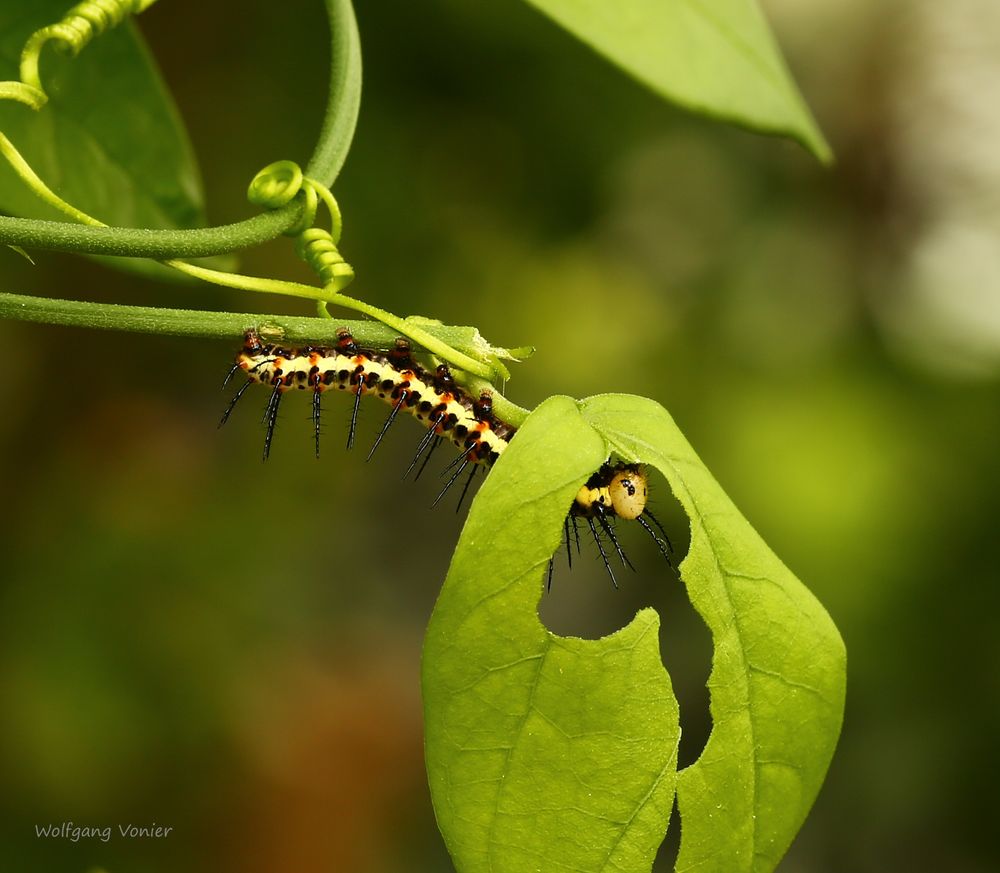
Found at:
[628, 490]
[619, 488]
[252, 344]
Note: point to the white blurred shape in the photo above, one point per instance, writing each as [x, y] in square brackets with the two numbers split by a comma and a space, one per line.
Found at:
[945, 144]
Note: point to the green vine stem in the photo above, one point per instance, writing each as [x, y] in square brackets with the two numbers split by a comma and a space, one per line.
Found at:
[62, 236]
[74, 31]
[279, 328]
[406, 327]
[327, 159]
[344, 98]
[90, 18]
[504, 408]
[42, 191]
[275, 180]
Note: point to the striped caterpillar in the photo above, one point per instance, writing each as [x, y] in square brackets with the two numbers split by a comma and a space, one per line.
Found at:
[448, 412]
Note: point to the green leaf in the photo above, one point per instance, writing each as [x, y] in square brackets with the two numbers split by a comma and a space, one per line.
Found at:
[109, 141]
[714, 57]
[778, 673]
[543, 752]
[551, 753]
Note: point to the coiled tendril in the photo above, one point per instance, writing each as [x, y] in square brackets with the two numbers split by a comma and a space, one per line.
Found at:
[316, 247]
[77, 28]
[277, 185]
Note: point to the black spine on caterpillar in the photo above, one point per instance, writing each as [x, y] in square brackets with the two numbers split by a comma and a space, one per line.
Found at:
[434, 398]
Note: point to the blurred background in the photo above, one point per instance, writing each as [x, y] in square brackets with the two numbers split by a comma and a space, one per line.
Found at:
[829, 341]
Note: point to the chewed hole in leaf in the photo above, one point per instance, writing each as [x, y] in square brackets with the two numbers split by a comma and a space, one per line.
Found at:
[583, 603]
[666, 855]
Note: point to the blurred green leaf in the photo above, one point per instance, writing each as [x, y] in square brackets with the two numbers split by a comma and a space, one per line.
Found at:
[714, 57]
[545, 752]
[110, 140]
[778, 674]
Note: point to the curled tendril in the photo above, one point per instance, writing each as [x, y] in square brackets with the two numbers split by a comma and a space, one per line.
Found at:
[77, 28]
[316, 247]
[309, 206]
[277, 185]
[22, 93]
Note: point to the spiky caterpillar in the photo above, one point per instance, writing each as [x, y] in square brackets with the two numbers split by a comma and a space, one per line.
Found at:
[432, 398]
[445, 409]
[619, 491]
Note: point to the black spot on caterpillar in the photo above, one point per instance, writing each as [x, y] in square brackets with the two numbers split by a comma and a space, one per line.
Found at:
[448, 412]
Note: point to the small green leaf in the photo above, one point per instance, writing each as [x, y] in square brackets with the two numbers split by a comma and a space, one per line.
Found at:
[714, 57]
[543, 752]
[109, 141]
[552, 753]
